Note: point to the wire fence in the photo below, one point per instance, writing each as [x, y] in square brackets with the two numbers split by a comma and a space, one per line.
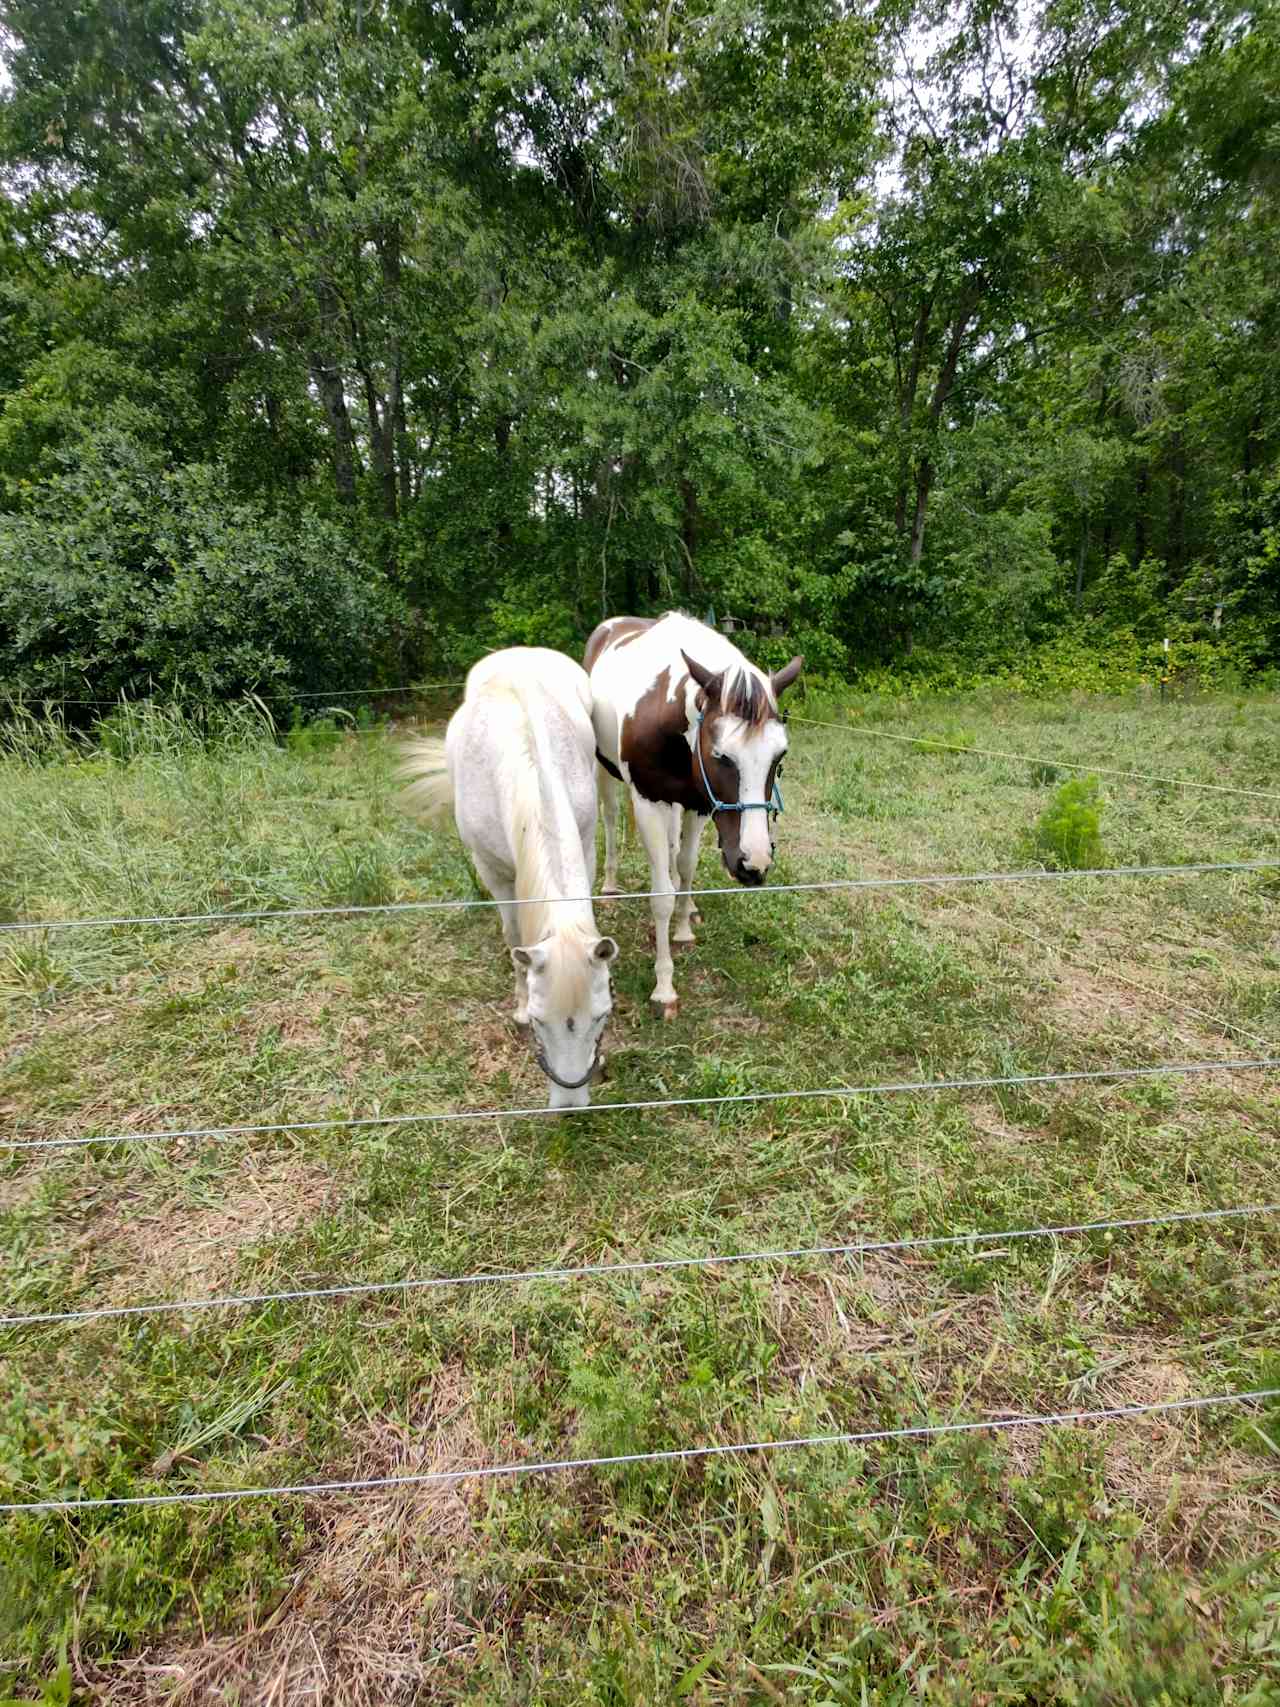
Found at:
[646, 1265]
[922, 880]
[1033, 759]
[565, 1274]
[829, 1093]
[677, 1454]
[271, 697]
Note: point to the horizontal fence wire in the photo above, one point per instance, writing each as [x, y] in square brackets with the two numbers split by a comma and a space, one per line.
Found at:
[39, 699]
[829, 1093]
[1034, 758]
[647, 1265]
[729, 1449]
[921, 880]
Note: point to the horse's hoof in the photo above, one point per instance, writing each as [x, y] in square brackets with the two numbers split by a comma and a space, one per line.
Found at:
[665, 1010]
[522, 1025]
[686, 941]
[609, 891]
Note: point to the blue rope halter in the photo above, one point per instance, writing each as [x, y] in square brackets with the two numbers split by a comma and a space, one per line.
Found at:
[773, 805]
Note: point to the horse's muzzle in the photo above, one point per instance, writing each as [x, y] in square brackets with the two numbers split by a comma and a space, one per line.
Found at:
[595, 1070]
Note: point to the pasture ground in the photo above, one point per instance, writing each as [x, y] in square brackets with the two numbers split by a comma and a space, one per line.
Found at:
[1131, 1562]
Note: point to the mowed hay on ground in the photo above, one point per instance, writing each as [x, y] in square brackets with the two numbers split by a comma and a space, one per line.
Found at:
[1108, 1563]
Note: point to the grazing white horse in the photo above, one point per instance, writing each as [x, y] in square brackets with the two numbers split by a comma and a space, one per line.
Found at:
[517, 765]
[693, 727]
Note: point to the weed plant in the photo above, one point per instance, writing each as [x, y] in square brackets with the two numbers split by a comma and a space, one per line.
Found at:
[1067, 835]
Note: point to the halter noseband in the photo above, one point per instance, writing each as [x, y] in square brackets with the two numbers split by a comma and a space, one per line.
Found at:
[567, 1084]
[773, 805]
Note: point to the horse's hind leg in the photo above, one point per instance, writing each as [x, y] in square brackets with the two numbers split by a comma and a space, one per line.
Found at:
[610, 804]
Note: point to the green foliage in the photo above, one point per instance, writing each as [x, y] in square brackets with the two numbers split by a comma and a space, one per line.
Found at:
[319, 735]
[358, 344]
[951, 738]
[55, 1691]
[135, 577]
[1067, 835]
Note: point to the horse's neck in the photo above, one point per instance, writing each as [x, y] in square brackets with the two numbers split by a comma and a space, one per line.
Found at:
[548, 847]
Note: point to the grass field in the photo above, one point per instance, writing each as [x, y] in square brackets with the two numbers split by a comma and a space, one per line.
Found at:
[1127, 1562]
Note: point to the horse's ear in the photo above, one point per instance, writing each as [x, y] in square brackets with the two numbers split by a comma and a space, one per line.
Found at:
[782, 679]
[708, 681]
[606, 949]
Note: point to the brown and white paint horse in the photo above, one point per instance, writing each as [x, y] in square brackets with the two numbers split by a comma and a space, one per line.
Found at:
[693, 729]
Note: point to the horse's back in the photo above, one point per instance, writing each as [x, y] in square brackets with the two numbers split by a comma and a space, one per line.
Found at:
[535, 670]
[527, 709]
[634, 650]
[613, 632]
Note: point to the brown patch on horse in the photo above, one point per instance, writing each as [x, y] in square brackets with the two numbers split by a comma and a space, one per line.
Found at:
[616, 632]
[654, 746]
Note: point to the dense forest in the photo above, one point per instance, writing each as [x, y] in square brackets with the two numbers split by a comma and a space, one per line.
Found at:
[342, 340]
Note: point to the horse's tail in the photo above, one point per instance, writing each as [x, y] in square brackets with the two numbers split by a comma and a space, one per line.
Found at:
[423, 765]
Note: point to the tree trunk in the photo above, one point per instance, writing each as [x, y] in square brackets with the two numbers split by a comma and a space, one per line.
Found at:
[1176, 537]
[1253, 442]
[906, 410]
[924, 484]
[966, 308]
[502, 443]
[1080, 561]
[1140, 516]
[396, 427]
[381, 433]
[342, 441]
[688, 530]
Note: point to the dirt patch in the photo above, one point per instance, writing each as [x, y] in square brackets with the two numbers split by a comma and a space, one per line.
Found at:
[495, 1049]
[303, 1020]
[17, 1188]
[377, 1607]
[156, 1247]
[1196, 1505]
[988, 1121]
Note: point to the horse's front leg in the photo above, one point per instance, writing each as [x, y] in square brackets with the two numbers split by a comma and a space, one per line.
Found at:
[653, 825]
[686, 866]
[503, 890]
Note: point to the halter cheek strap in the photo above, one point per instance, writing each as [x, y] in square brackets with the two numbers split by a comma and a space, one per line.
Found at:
[539, 1056]
[774, 804]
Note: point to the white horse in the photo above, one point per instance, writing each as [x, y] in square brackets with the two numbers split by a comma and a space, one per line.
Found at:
[693, 727]
[517, 765]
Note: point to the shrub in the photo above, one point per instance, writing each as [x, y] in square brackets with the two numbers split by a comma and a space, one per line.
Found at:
[133, 577]
[1067, 835]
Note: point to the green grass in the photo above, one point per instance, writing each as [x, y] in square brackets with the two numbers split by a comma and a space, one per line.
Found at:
[1129, 1563]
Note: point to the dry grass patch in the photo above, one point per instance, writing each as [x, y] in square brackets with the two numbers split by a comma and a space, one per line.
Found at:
[376, 1607]
[144, 1242]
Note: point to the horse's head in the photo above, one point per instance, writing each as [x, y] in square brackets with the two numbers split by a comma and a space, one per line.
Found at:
[738, 746]
[569, 1006]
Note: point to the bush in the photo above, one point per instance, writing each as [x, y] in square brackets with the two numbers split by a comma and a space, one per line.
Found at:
[1067, 836]
[124, 576]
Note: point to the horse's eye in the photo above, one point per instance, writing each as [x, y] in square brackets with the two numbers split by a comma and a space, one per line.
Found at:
[717, 754]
